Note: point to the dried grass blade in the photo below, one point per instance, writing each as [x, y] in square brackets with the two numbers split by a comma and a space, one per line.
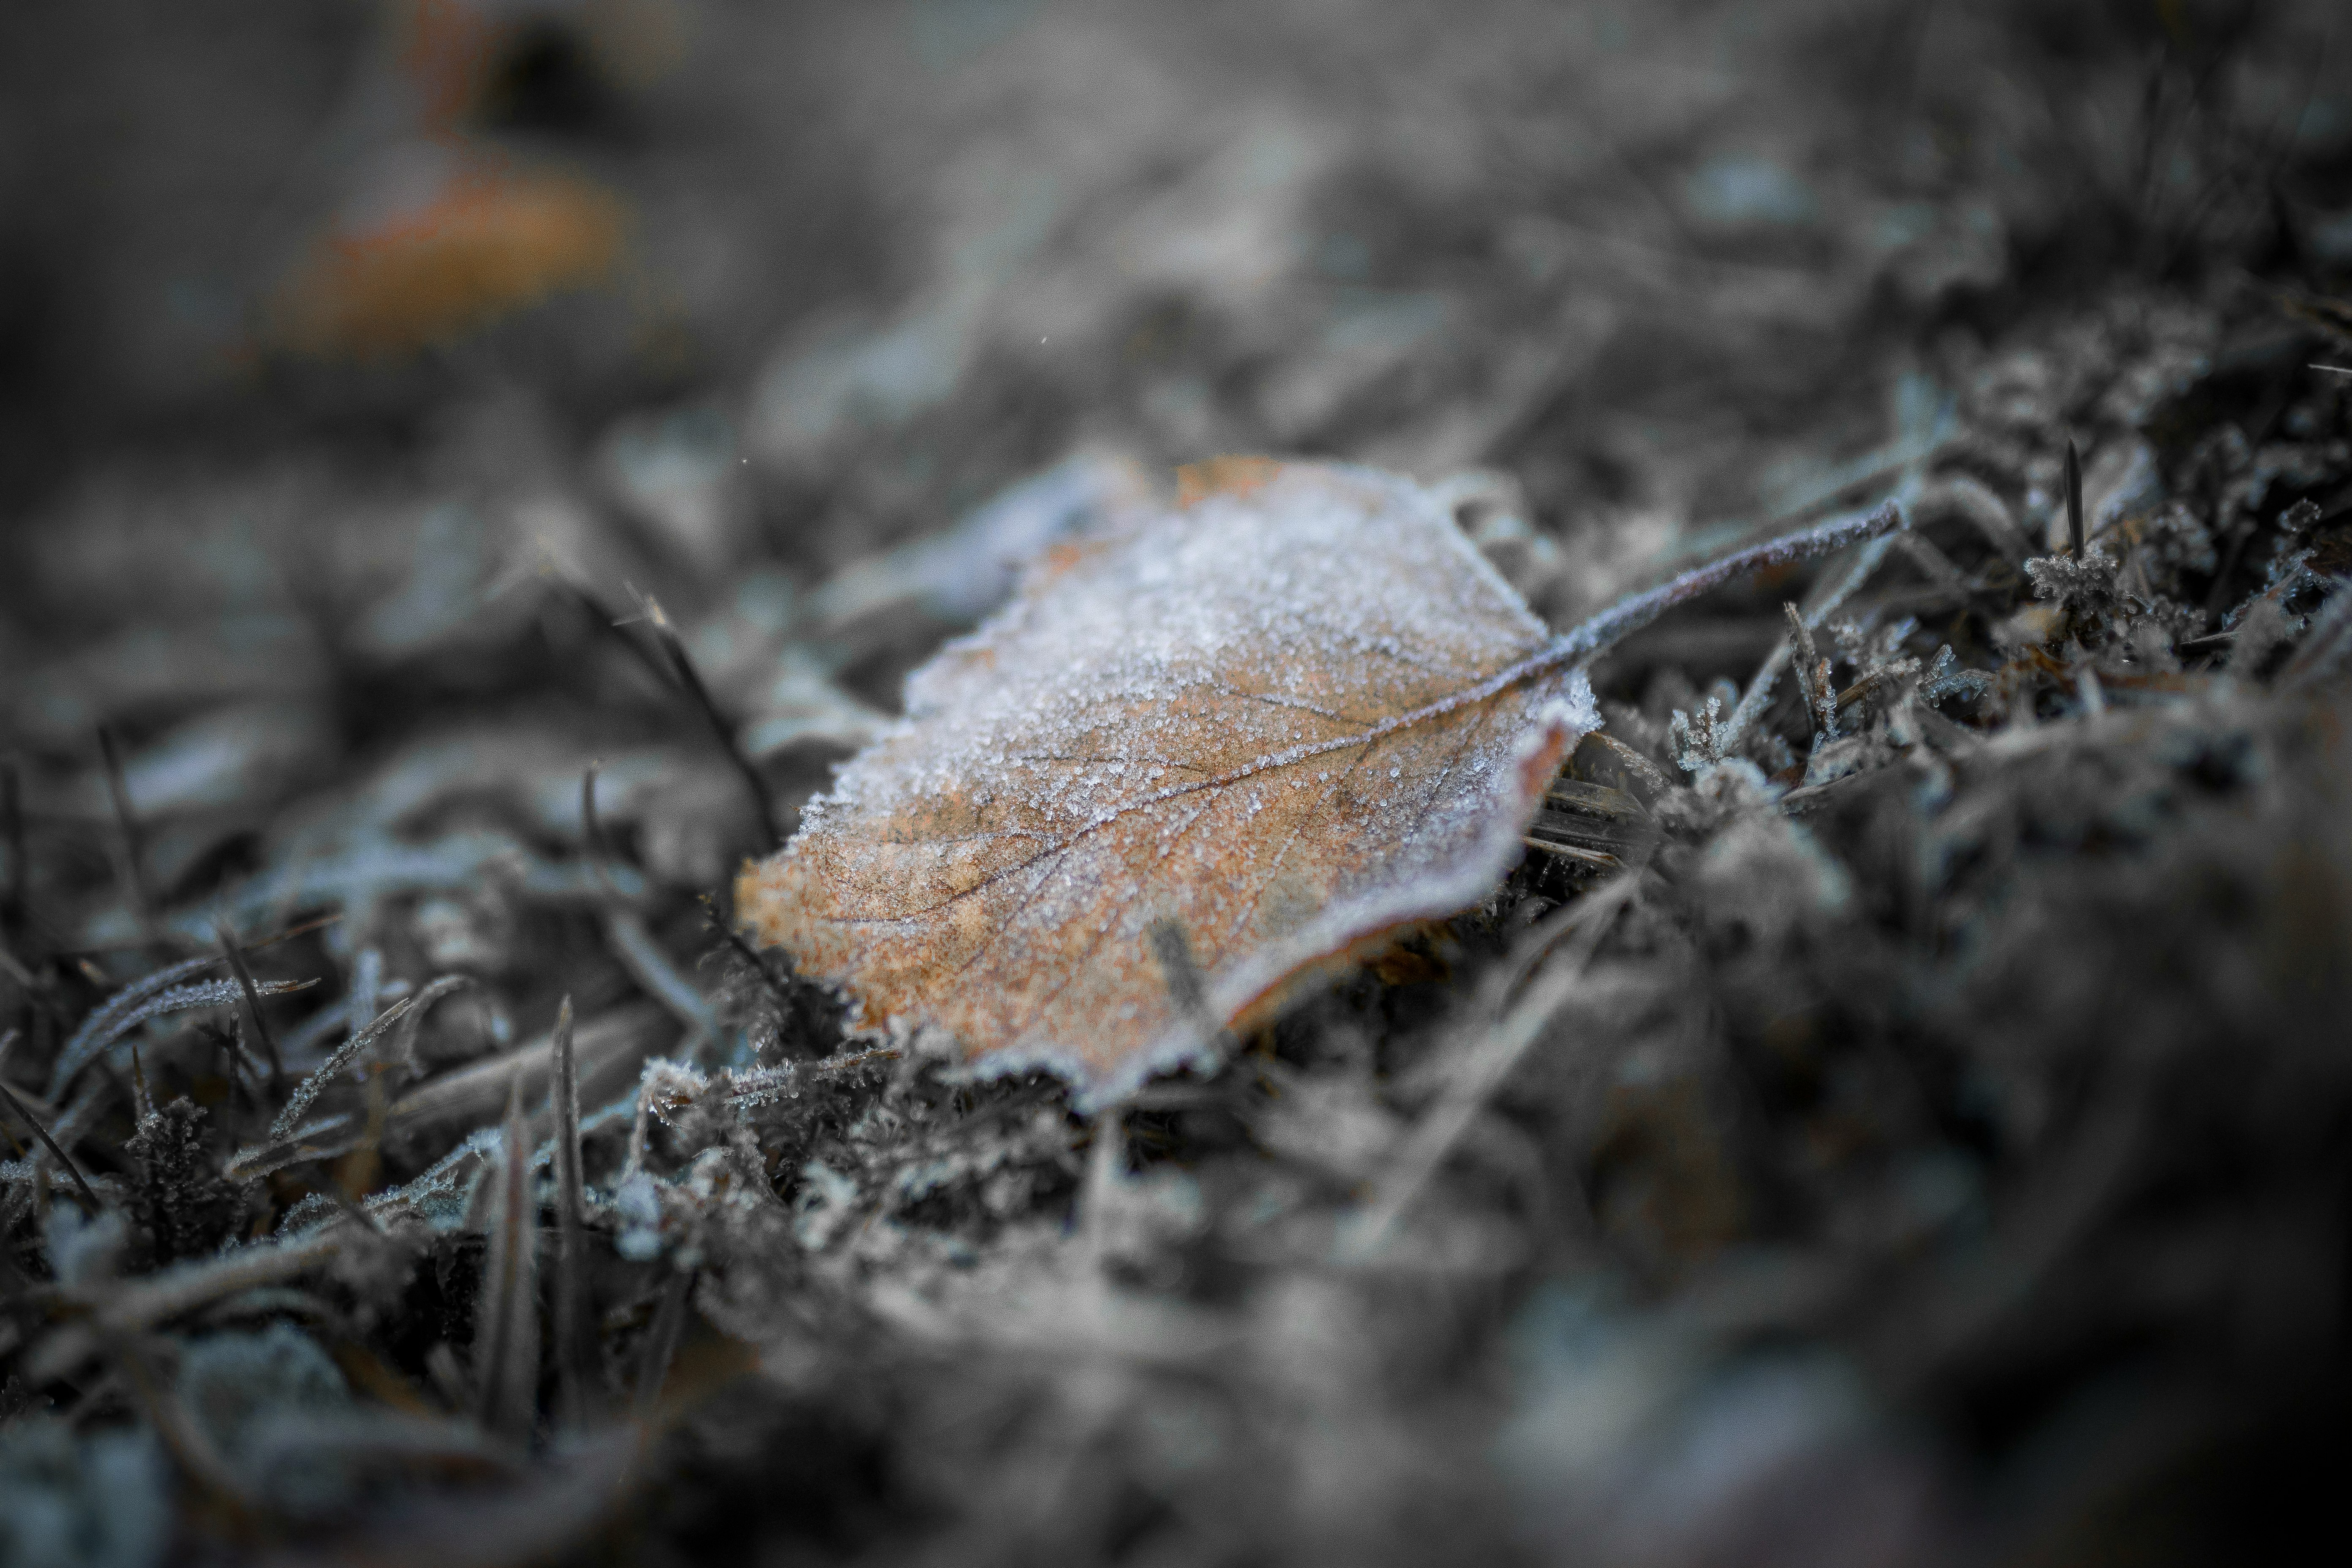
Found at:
[322, 1139]
[184, 1287]
[506, 1323]
[29, 1120]
[1483, 1069]
[592, 831]
[77, 1049]
[1826, 601]
[244, 973]
[1812, 677]
[308, 1089]
[2076, 539]
[88, 1043]
[571, 1249]
[682, 668]
[651, 968]
[603, 1046]
[399, 1012]
[661, 1348]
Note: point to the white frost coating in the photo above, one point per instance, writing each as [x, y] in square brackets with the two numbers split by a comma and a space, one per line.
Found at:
[1284, 721]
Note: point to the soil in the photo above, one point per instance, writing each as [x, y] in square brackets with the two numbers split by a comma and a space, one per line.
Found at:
[474, 470]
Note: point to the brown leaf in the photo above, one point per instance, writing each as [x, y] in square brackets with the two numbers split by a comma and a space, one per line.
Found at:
[489, 240]
[1278, 724]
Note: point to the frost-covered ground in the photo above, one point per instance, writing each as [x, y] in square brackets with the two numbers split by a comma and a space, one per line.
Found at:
[1921, 1135]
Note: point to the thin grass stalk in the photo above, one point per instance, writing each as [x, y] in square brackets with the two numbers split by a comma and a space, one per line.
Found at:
[1481, 1069]
[661, 1348]
[56, 1154]
[570, 1236]
[675, 666]
[106, 1021]
[405, 1014]
[506, 1321]
[2077, 532]
[1866, 560]
[244, 973]
[682, 668]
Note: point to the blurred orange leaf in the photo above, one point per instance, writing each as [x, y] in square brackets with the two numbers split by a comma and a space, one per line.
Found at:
[1188, 763]
[483, 241]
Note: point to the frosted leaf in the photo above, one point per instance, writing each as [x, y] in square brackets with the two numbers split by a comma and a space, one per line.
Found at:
[1270, 719]
[1197, 755]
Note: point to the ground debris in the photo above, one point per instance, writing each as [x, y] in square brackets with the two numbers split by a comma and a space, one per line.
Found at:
[1888, 1107]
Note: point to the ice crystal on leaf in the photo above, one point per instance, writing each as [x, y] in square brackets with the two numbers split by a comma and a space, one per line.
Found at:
[1294, 715]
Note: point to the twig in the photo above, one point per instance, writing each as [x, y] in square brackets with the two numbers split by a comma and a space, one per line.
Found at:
[571, 1249]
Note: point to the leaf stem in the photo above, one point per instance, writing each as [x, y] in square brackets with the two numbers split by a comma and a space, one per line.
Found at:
[1629, 615]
